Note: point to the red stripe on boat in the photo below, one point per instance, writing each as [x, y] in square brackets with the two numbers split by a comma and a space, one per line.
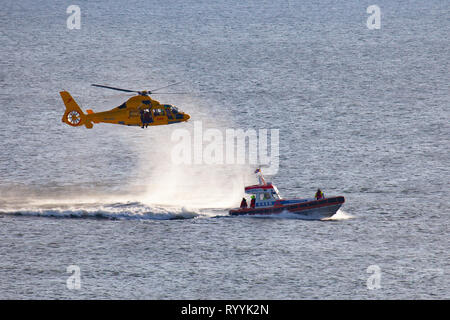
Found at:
[257, 186]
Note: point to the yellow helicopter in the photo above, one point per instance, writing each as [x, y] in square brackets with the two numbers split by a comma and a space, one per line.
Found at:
[139, 110]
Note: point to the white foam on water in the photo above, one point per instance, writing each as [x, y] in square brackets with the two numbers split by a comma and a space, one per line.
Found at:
[340, 215]
[113, 211]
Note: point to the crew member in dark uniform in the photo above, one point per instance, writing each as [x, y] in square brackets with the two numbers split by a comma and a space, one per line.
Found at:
[252, 203]
[146, 118]
[142, 118]
[243, 204]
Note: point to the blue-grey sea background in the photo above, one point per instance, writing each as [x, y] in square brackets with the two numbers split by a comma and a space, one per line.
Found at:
[362, 113]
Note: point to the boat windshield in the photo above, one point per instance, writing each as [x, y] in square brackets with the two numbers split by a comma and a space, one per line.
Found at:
[276, 193]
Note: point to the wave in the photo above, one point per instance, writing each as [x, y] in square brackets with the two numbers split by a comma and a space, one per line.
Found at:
[340, 215]
[110, 211]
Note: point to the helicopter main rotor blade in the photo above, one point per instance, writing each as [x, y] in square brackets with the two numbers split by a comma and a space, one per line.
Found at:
[152, 93]
[113, 88]
[166, 86]
[192, 93]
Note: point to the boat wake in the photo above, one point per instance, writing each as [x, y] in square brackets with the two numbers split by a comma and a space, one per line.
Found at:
[340, 215]
[110, 211]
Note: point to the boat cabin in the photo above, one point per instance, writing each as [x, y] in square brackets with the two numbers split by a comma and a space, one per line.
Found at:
[265, 195]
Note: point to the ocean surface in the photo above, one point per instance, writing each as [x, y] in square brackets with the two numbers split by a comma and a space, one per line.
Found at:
[361, 113]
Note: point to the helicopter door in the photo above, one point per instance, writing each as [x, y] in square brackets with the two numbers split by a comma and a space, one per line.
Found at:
[159, 116]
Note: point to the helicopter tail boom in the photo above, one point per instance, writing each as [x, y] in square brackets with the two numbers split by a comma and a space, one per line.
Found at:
[73, 115]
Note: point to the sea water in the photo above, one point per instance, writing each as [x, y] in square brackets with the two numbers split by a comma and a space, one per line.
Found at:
[361, 113]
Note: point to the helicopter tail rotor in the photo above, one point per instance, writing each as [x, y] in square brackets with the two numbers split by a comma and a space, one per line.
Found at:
[73, 115]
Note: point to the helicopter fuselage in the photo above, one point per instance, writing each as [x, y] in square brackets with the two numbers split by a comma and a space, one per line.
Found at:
[139, 110]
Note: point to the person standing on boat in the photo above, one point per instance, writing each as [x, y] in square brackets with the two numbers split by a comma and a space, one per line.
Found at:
[260, 176]
[319, 195]
[252, 203]
[243, 204]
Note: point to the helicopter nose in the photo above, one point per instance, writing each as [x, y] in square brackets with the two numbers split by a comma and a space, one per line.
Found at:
[186, 117]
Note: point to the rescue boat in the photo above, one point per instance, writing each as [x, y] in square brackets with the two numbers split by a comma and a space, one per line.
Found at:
[267, 201]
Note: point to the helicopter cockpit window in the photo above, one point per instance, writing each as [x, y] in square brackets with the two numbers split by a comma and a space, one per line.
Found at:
[158, 112]
[171, 108]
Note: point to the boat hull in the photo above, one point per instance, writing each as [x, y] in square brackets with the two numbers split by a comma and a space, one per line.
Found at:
[314, 210]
